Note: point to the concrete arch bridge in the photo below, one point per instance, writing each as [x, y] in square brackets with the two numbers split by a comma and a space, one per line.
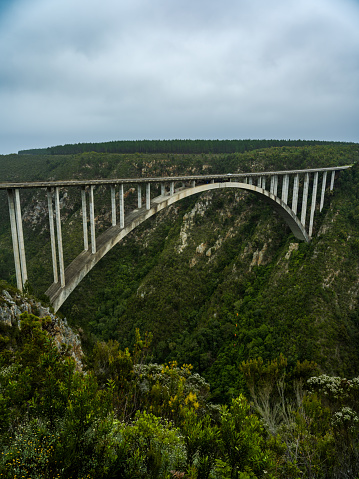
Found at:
[288, 192]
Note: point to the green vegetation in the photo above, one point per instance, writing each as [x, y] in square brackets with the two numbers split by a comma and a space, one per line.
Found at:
[171, 146]
[127, 418]
[269, 326]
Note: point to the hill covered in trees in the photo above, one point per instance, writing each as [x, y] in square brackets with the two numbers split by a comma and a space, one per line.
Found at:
[219, 282]
[171, 146]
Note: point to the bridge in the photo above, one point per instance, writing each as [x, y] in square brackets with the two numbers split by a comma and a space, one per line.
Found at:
[287, 192]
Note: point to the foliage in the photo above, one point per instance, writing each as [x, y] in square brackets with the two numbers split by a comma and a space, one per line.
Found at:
[149, 447]
[127, 418]
[169, 146]
[251, 310]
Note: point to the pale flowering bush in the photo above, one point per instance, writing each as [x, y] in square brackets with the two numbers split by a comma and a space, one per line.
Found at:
[341, 396]
[336, 387]
[346, 417]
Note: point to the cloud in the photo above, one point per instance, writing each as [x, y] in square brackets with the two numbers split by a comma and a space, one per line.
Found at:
[76, 70]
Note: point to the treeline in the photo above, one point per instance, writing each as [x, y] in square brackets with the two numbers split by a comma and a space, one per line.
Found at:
[170, 146]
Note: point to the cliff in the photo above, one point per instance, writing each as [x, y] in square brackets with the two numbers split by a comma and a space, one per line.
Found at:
[13, 304]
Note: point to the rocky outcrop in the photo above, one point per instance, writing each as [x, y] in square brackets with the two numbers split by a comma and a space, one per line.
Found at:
[189, 220]
[12, 305]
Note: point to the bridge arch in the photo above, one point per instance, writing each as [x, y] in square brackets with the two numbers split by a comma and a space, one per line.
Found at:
[86, 260]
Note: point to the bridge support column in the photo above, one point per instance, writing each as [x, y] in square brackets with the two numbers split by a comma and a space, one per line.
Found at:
[271, 188]
[92, 221]
[324, 184]
[332, 181]
[84, 218]
[122, 207]
[59, 236]
[139, 196]
[295, 194]
[259, 182]
[193, 183]
[15, 238]
[113, 205]
[285, 188]
[20, 235]
[274, 178]
[148, 196]
[314, 199]
[52, 235]
[305, 199]
[163, 189]
[250, 181]
[172, 188]
[264, 182]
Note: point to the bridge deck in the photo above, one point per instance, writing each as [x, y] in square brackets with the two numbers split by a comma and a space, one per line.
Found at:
[166, 179]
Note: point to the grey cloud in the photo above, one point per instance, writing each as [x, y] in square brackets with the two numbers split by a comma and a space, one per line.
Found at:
[98, 70]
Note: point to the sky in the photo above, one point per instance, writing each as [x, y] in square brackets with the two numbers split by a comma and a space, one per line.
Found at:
[75, 71]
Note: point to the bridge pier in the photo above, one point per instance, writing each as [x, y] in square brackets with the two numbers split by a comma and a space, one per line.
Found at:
[113, 205]
[324, 181]
[332, 180]
[271, 187]
[59, 236]
[84, 218]
[92, 220]
[305, 199]
[52, 235]
[17, 237]
[314, 199]
[139, 196]
[20, 236]
[285, 188]
[295, 194]
[148, 196]
[274, 185]
[122, 207]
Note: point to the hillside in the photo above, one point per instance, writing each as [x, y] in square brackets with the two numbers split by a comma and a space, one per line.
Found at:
[217, 346]
[218, 278]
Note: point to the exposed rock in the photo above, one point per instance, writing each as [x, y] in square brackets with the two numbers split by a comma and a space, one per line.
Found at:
[188, 221]
[193, 262]
[201, 248]
[12, 306]
[292, 247]
[258, 256]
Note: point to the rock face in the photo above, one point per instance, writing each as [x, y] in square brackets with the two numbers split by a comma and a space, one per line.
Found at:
[12, 305]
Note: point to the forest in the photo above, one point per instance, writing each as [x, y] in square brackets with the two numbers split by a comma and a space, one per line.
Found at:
[170, 146]
[238, 359]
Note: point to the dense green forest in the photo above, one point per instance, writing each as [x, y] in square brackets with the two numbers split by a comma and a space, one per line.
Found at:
[170, 146]
[265, 327]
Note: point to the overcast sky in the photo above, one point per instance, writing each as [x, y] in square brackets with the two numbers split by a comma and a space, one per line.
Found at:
[75, 71]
